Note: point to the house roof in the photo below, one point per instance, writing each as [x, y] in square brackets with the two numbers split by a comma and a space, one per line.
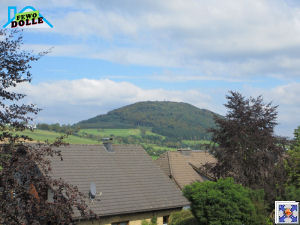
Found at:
[127, 177]
[181, 165]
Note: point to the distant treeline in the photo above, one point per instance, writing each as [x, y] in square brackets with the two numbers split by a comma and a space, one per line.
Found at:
[67, 129]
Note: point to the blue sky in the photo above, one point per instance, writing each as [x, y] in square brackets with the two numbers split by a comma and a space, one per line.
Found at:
[107, 54]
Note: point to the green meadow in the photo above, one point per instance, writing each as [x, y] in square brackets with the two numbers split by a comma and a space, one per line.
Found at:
[117, 132]
[43, 135]
[110, 132]
[194, 142]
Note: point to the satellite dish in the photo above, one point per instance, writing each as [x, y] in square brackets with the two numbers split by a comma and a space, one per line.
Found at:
[18, 177]
[92, 190]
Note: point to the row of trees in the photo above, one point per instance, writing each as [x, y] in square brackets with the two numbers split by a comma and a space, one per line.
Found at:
[56, 127]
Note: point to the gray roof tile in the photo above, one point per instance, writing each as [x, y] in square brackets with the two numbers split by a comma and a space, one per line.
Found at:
[178, 165]
[128, 179]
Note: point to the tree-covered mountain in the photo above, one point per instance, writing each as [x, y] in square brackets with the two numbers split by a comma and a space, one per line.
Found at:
[171, 119]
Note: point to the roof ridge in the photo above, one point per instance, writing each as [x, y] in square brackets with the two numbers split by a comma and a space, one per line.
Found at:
[200, 171]
[169, 164]
[171, 172]
[190, 150]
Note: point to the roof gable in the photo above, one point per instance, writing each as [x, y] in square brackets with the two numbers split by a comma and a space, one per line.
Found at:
[182, 165]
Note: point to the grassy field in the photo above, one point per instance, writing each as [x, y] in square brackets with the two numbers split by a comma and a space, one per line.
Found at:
[117, 132]
[109, 132]
[43, 135]
[156, 147]
[192, 142]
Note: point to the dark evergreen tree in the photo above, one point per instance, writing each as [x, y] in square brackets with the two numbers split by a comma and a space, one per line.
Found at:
[247, 148]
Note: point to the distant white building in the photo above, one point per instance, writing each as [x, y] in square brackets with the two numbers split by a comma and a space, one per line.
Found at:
[31, 126]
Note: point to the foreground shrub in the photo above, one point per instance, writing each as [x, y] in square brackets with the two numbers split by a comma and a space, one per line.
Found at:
[223, 202]
[152, 222]
[184, 217]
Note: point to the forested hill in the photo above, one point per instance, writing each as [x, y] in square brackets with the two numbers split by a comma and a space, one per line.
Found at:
[171, 119]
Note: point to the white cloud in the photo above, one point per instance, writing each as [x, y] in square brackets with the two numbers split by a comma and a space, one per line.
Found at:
[214, 37]
[71, 101]
[206, 69]
[287, 94]
[217, 37]
[169, 76]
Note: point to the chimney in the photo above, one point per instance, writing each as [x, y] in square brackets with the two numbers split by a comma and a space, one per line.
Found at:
[107, 142]
[184, 151]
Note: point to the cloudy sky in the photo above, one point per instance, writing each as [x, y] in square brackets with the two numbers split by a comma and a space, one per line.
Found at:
[107, 54]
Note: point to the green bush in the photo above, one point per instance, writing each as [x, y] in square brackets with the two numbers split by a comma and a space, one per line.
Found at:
[153, 221]
[144, 222]
[224, 202]
[292, 186]
[184, 217]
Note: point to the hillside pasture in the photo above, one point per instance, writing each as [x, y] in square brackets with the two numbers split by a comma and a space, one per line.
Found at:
[195, 142]
[117, 132]
[110, 132]
[43, 135]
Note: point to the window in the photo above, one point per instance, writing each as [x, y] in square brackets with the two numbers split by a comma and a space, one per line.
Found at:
[165, 220]
[121, 223]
